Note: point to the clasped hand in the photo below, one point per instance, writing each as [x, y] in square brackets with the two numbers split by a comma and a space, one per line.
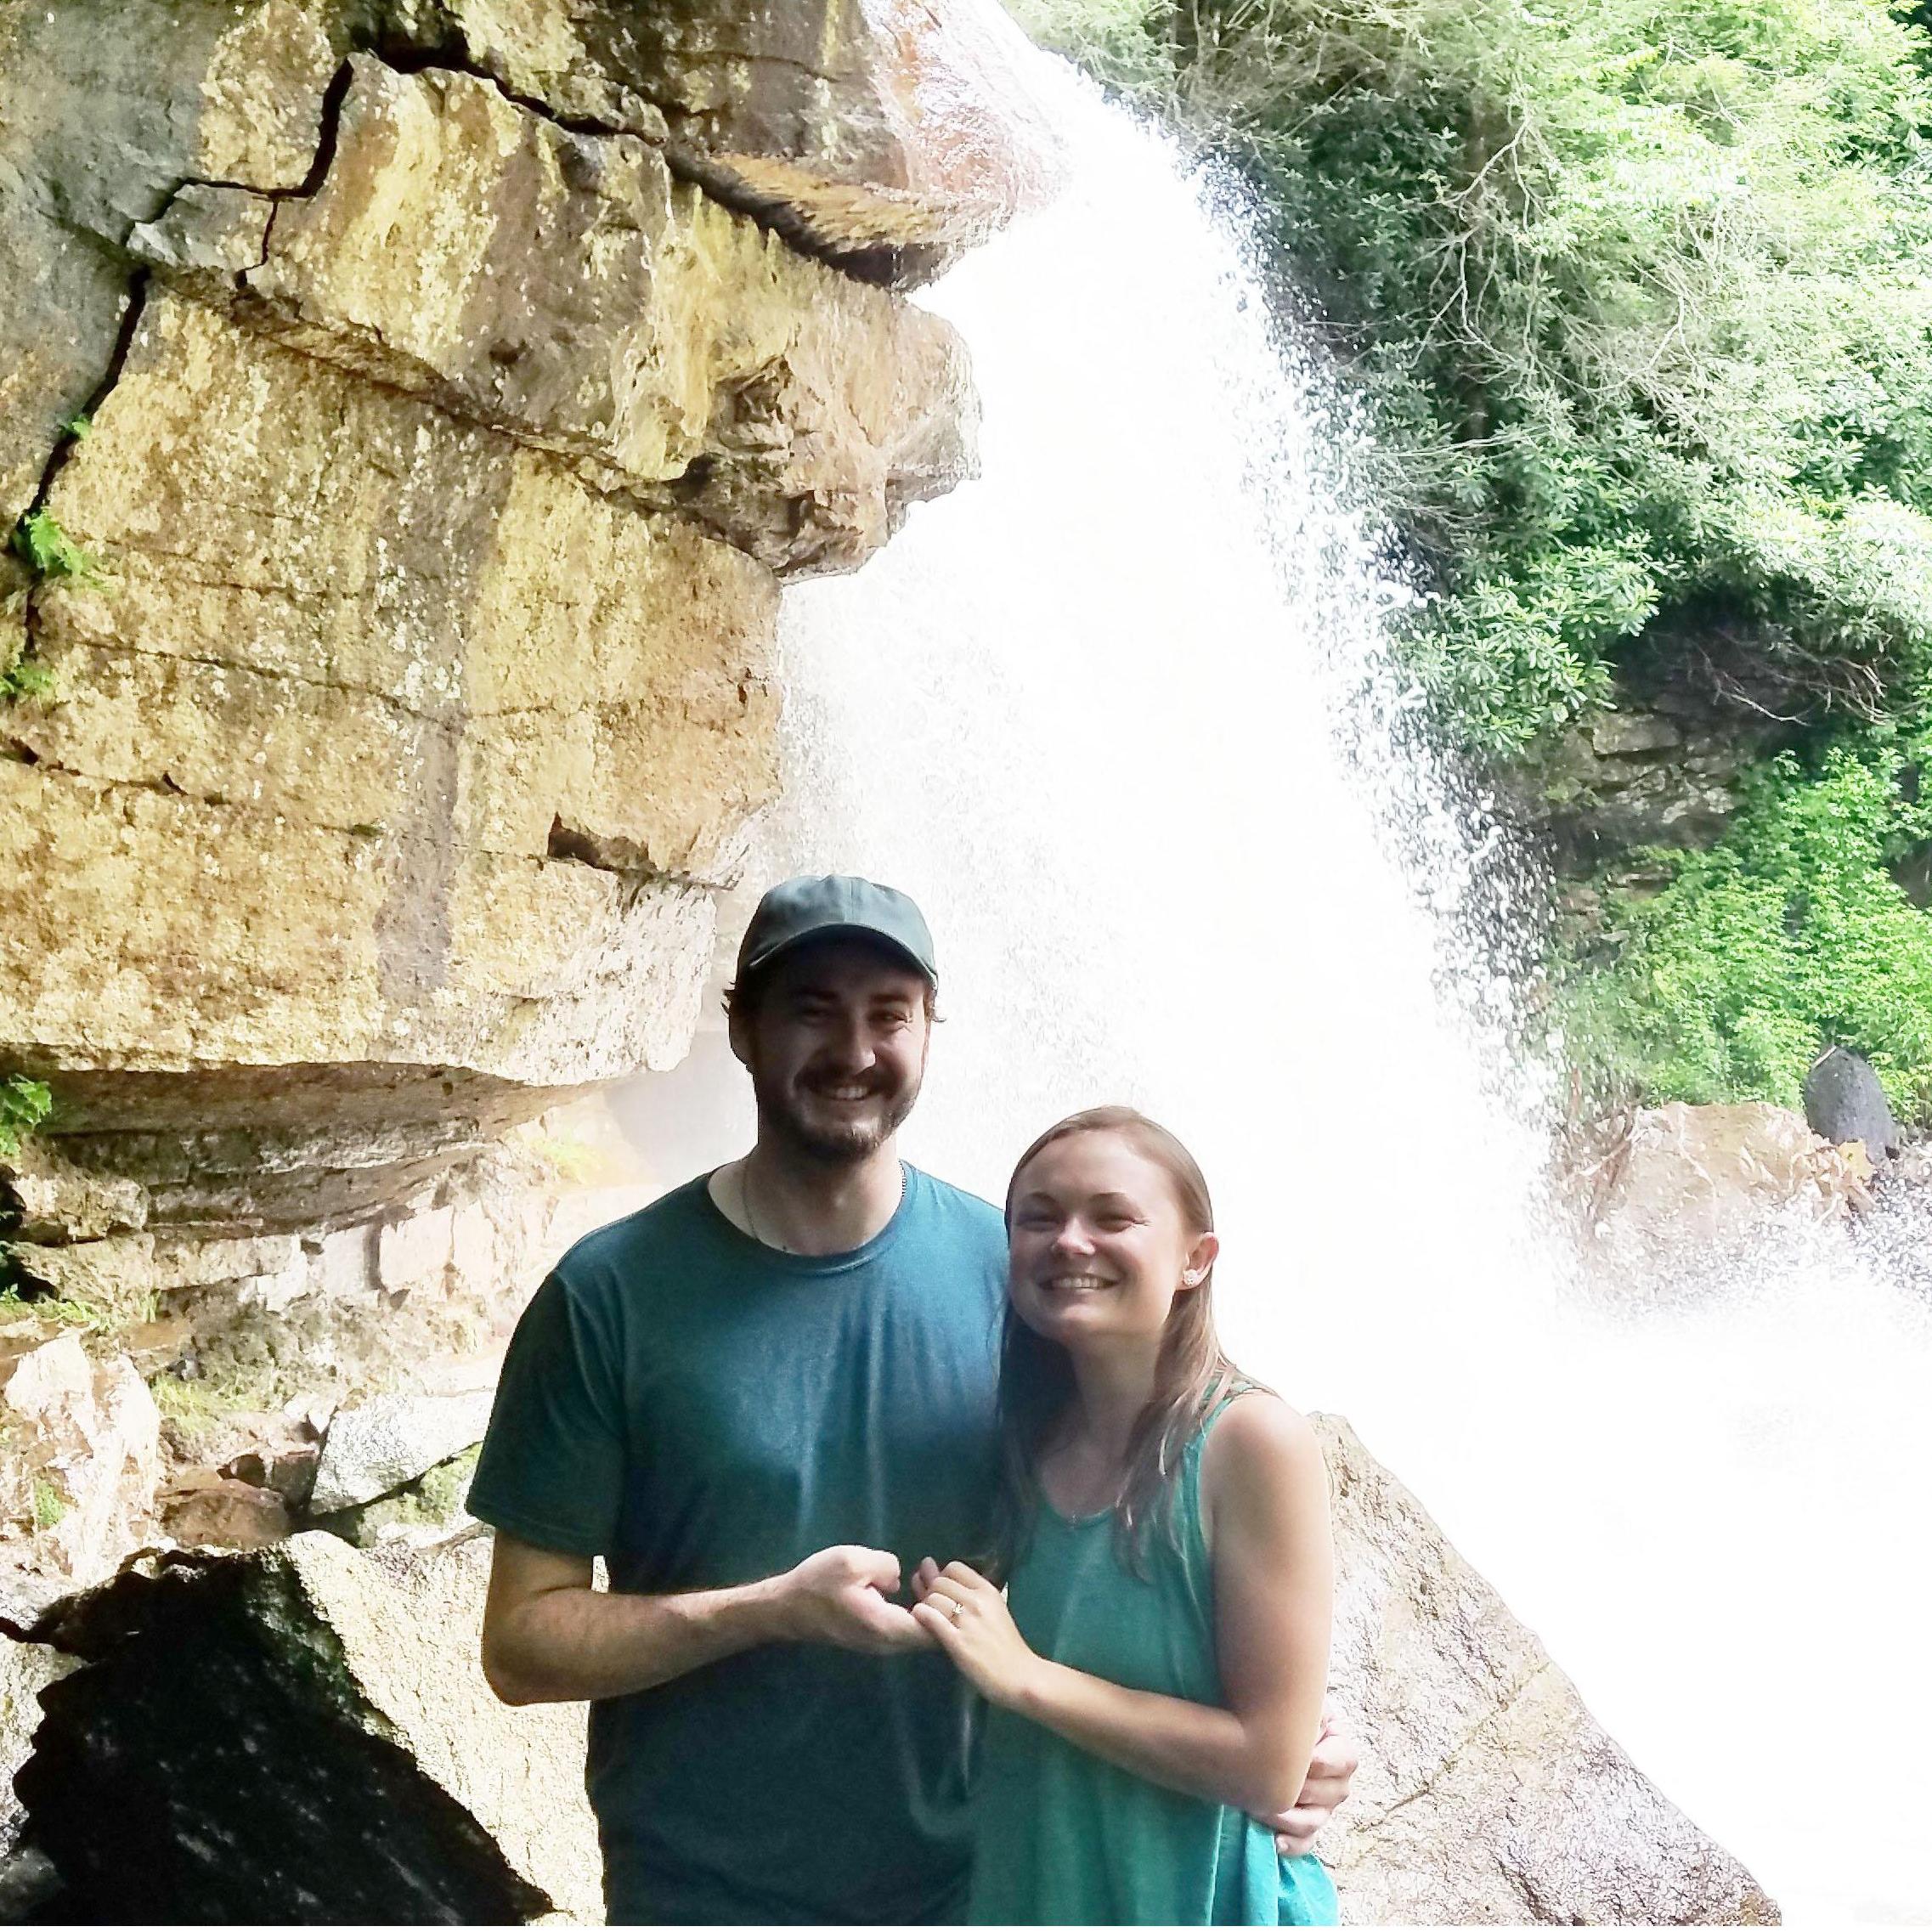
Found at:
[844, 1595]
[967, 1617]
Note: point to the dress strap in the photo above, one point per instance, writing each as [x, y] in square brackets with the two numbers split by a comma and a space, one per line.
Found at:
[1223, 1391]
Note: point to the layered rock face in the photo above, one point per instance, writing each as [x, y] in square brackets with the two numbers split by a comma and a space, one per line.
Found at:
[409, 414]
[305, 1732]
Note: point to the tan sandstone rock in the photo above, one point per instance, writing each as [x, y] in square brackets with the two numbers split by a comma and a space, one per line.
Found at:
[1699, 1183]
[426, 445]
[109, 107]
[564, 289]
[888, 135]
[1488, 1794]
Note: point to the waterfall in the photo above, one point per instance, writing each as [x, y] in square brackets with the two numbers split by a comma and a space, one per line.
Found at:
[1117, 715]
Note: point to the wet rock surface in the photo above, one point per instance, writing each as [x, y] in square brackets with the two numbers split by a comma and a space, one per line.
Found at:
[1693, 1186]
[1488, 1794]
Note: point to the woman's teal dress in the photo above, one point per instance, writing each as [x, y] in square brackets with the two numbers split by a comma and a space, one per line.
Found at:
[1061, 1837]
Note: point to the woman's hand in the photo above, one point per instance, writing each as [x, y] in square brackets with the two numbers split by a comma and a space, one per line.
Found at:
[968, 1618]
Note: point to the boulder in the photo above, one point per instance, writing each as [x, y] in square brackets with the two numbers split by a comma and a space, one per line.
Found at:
[203, 1508]
[384, 1444]
[1703, 1181]
[1488, 1794]
[1843, 1102]
[303, 1734]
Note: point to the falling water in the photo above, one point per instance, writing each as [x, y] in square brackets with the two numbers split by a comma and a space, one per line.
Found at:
[1092, 711]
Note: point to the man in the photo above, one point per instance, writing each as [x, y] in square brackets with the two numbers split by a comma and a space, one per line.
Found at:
[758, 1398]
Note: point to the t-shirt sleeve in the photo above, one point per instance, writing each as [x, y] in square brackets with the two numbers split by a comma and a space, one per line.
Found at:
[551, 1471]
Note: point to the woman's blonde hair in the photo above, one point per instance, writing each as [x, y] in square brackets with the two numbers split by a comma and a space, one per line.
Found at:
[1037, 1374]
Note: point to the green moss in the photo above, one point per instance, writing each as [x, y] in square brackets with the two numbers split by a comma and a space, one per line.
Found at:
[50, 1506]
[1634, 292]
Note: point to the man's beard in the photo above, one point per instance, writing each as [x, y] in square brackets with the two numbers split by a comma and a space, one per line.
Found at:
[835, 1144]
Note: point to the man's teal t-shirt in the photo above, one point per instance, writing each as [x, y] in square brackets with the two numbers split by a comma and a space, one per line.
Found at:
[702, 1410]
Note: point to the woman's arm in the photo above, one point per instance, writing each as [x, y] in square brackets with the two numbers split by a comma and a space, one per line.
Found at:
[1265, 1499]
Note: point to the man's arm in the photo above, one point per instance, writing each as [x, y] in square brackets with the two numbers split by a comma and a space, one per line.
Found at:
[549, 1637]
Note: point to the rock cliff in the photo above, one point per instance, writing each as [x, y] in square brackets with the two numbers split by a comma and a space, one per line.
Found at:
[407, 414]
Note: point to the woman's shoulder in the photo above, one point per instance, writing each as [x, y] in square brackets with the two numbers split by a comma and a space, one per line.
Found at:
[1258, 1440]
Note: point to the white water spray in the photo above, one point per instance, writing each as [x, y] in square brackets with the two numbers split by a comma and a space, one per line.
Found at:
[1085, 711]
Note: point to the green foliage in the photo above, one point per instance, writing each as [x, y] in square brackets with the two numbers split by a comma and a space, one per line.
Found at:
[26, 678]
[1636, 292]
[50, 1506]
[24, 1105]
[49, 552]
[80, 428]
[1790, 935]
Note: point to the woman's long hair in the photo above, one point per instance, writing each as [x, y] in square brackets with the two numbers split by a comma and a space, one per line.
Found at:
[1035, 1379]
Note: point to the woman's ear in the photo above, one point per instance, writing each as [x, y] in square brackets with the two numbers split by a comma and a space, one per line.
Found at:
[1200, 1258]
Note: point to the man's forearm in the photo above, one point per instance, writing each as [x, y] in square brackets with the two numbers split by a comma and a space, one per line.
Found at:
[564, 1644]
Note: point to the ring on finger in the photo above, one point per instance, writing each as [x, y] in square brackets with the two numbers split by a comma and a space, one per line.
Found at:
[954, 1608]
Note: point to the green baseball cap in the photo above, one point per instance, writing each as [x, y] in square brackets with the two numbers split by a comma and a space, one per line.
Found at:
[799, 909]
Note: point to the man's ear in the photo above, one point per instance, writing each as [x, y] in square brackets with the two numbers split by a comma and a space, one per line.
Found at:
[737, 1033]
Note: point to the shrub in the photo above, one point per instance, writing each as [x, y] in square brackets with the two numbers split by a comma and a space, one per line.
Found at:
[24, 1105]
[1790, 935]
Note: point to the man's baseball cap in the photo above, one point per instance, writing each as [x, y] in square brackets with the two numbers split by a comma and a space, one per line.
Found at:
[801, 909]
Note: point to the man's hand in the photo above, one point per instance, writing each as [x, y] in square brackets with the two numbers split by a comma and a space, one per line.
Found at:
[843, 1596]
[1331, 1769]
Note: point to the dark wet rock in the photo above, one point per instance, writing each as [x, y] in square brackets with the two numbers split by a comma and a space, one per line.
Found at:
[1844, 1102]
[302, 1735]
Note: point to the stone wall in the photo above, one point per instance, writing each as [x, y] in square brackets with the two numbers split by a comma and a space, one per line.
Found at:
[415, 410]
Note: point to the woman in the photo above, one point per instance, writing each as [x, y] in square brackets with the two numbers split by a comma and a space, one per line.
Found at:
[1156, 1668]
